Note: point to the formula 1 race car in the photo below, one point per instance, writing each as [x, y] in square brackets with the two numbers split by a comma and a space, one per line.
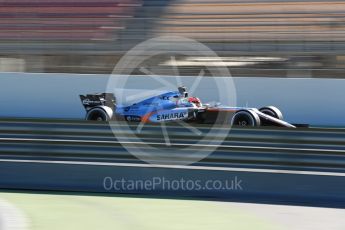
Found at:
[178, 106]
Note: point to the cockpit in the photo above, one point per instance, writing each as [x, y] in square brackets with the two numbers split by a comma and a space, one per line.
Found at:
[185, 101]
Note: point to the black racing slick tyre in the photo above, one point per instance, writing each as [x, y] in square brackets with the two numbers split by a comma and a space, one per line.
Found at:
[101, 113]
[272, 111]
[245, 118]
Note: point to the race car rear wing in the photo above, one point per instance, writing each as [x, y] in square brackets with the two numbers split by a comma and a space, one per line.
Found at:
[99, 99]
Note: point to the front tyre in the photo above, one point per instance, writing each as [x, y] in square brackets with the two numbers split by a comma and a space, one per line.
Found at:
[102, 113]
[245, 118]
[272, 111]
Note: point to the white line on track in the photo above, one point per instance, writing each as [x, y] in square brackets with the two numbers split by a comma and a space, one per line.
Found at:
[172, 144]
[11, 218]
[187, 167]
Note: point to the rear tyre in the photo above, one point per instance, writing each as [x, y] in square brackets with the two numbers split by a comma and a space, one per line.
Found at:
[272, 111]
[98, 114]
[245, 118]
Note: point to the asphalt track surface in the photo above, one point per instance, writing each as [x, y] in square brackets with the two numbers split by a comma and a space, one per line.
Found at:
[301, 152]
[313, 149]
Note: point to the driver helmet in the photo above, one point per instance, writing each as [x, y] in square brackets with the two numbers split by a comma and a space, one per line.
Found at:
[195, 101]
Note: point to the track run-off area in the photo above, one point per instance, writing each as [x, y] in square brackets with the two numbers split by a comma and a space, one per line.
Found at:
[89, 211]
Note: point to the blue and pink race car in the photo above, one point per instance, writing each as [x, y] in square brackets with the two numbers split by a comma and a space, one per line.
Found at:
[178, 106]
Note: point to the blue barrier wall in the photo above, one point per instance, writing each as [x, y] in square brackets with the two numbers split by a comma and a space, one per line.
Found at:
[301, 188]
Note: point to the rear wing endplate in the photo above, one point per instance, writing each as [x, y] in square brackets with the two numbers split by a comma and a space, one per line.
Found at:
[99, 99]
